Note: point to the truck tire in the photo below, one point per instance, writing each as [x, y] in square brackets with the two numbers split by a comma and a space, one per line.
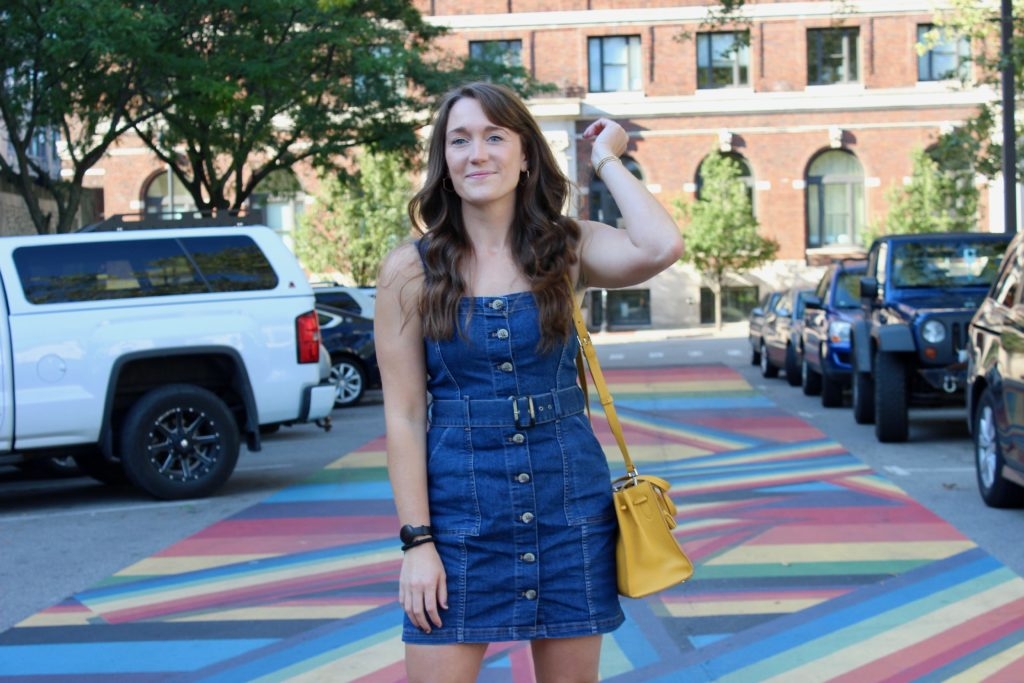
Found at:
[996, 491]
[831, 391]
[349, 380]
[792, 366]
[890, 398]
[863, 395]
[767, 369]
[179, 441]
[810, 381]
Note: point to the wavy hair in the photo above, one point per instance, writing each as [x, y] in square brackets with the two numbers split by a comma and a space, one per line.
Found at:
[544, 241]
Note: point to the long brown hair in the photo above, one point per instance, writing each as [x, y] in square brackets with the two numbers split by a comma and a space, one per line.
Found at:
[543, 240]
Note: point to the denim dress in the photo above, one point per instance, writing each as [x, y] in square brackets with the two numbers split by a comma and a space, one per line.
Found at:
[519, 487]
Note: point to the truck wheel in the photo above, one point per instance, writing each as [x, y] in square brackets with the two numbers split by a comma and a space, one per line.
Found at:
[996, 491]
[890, 398]
[349, 382]
[179, 441]
[810, 381]
[831, 391]
[767, 369]
[863, 395]
[792, 367]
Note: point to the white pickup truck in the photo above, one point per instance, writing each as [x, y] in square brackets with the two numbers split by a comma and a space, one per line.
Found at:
[148, 355]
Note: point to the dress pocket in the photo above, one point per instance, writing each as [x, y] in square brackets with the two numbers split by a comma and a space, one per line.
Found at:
[588, 494]
[451, 481]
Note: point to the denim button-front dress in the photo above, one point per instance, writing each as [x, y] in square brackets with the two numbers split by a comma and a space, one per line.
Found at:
[519, 487]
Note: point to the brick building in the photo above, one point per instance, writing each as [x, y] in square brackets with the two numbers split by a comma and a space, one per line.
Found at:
[822, 102]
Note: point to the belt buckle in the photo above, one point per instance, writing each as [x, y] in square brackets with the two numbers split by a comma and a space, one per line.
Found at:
[530, 410]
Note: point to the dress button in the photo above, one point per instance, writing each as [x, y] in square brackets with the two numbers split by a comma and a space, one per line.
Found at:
[506, 367]
[518, 438]
[529, 557]
[501, 334]
[497, 304]
[530, 594]
[527, 517]
[523, 478]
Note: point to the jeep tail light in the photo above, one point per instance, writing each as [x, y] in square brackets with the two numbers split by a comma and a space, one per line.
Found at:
[307, 337]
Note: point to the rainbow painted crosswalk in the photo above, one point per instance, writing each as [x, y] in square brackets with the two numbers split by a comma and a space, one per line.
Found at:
[810, 567]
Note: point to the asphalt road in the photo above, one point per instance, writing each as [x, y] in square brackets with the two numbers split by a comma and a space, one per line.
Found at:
[59, 537]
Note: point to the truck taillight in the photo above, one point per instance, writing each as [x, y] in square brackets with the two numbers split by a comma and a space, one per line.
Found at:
[307, 336]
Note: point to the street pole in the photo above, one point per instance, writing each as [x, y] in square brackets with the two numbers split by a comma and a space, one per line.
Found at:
[1009, 135]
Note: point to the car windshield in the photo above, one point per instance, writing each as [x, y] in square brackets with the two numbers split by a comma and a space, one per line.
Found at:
[960, 263]
[848, 289]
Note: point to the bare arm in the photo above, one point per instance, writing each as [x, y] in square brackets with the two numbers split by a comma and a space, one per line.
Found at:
[398, 336]
[650, 242]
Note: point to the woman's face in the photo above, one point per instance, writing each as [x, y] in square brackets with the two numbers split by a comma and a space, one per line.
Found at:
[484, 159]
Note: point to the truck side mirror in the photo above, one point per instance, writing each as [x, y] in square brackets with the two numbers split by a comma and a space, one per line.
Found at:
[868, 288]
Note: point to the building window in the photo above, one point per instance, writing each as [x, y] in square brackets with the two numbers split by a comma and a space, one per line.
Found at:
[166, 194]
[614, 63]
[281, 200]
[835, 200]
[723, 59]
[507, 52]
[737, 303]
[602, 207]
[945, 57]
[743, 174]
[618, 308]
[832, 56]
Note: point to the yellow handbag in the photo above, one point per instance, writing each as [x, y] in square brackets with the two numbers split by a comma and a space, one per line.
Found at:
[648, 557]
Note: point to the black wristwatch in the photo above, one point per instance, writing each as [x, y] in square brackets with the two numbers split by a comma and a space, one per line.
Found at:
[409, 533]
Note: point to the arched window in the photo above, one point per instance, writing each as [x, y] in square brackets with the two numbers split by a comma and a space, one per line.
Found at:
[835, 199]
[166, 194]
[745, 175]
[602, 206]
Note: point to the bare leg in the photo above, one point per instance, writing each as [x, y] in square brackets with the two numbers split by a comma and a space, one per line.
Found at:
[458, 663]
[567, 660]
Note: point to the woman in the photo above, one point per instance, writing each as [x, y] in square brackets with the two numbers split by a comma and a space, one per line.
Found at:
[502, 490]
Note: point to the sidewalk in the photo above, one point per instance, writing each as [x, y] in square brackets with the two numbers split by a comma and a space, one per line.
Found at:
[809, 567]
[728, 330]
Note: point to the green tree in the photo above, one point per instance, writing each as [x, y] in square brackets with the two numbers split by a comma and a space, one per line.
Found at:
[719, 228]
[71, 70]
[935, 200]
[357, 221]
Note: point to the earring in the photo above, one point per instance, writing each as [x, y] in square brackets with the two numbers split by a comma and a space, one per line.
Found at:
[446, 184]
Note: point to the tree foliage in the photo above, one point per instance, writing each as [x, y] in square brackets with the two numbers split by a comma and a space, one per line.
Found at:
[720, 229]
[935, 200]
[73, 69]
[358, 220]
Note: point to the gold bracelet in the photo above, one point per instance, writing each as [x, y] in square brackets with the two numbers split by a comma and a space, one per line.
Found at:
[603, 161]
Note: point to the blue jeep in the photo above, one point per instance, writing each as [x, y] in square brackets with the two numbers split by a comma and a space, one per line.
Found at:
[830, 313]
[918, 296]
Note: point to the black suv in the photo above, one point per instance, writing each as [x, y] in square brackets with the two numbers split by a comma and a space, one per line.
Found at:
[995, 386]
[830, 313]
[918, 295]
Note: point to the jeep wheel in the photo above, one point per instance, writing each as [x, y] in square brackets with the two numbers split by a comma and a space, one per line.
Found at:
[179, 441]
[890, 398]
[767, 369]
[810, 381]
[863, 394]
[996, 491]
[831, 391]
[349, 382]
[792, 366]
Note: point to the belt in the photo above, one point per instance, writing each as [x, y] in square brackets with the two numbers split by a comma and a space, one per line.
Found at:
[515, 411]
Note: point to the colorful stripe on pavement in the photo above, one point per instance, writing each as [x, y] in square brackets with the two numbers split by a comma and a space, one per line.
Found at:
[810, 567]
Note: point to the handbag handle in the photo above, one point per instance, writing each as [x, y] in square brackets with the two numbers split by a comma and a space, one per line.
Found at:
[587, 349]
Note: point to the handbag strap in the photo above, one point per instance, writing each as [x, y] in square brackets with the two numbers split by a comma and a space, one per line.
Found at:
[587, 349]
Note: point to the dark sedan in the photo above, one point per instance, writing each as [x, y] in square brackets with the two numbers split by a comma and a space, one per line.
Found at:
[995, 384]
[781, 335]
[348, 339]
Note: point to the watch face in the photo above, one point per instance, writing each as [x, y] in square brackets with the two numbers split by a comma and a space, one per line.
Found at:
[408, 533]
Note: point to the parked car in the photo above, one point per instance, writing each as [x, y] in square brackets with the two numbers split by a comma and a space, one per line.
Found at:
[348, 339]
[358, 300]
[781, 335]
[756, 323]
[825, 350]
[995, 384]
[919, 295]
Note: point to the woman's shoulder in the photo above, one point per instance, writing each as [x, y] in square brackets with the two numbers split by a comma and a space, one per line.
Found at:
[401, 264]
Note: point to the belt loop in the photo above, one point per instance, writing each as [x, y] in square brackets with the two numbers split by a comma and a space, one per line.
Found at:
[554, 402]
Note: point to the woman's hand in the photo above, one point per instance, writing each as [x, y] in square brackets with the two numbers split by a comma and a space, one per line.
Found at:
[607, 138]
[422, 588]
